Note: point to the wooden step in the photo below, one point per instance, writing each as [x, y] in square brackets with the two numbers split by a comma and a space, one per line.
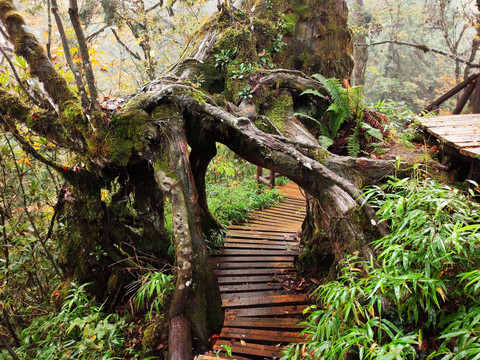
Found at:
[248, 265]
[267, 311]
[261, 322]
[267, 299]
[249, 258]
[277, 336]
[251, 348]
[249, 279]
[270, 285]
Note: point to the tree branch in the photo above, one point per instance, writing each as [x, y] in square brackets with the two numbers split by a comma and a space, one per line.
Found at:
[133, 54]
[68, 55]
[304, 170]
[83, 46]
[41, 67]
[425, 49]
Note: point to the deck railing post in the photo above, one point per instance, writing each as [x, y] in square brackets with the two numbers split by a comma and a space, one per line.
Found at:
[258, 174]
[272, 179]
[463, 100]
[476, 98]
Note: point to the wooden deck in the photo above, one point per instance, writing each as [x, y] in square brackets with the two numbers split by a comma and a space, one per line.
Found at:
[261, 311]
[462, 132]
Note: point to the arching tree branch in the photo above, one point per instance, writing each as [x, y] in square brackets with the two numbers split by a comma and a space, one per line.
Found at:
[425, 49]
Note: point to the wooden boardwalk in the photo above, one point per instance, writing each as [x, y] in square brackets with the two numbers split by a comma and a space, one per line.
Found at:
[461, 132]
[261, 311]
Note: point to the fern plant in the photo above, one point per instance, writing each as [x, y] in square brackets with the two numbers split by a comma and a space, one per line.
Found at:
[339, 109]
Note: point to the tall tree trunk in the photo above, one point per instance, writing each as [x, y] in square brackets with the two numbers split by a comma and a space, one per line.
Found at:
[360, 53]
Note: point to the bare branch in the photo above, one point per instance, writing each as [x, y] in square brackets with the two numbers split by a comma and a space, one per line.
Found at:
[68, 56]
[96, 33]
[133, 54]
[83, 46]
[49, 38]
[425, 49]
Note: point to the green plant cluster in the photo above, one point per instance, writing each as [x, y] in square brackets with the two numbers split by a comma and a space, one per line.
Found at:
[81, 330]
[344, 105]
[419, 298]
[154, 290]
[232, 203]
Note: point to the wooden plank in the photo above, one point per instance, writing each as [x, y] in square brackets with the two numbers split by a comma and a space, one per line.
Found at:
[247, 279]
[261, 322]
[275, 219]
[451, 122]
[239, 272]
[258, 228]
[240, 258]
[270, 285]
[277, 336]
[275, 222]
[230, 251]
[265, 300]
[269, 351]
[249, 265]
[455, 130]
[286, 236]
[220, 356]
[472, 152]
[255, 294]
[260, 246]
[267, 311]
[260, 232]
[275, 212]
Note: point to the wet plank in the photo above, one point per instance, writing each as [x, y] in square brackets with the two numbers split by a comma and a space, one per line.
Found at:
[249, 265]
[251, 349]
[261, 322]
[260, 334]
[458, 131]
[267, 311]
[268, 285]
[247, 300]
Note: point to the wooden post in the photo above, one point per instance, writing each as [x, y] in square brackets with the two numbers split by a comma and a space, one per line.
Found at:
[476, 97]
[463, 100]
[259, 174]
[435, 104]
[272, 179]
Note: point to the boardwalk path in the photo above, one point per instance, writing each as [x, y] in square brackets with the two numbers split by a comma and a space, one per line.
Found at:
[462, 132]
[260, 314]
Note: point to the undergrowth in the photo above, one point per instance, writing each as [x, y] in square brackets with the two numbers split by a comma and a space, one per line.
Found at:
[420, 300]
[231, 203]
[81, 330]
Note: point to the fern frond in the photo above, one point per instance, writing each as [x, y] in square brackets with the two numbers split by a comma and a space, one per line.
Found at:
[313, 92]
[323, 128]
[339, 96]
[353, 145]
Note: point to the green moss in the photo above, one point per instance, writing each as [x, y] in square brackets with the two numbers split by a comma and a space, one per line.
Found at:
[154, 334]
[163, 164]
[12, 106]
[127, 134]
[265, 32]
[320, 155]
[290, 23]
[235, 39]
[301, 8]
[281, 107]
